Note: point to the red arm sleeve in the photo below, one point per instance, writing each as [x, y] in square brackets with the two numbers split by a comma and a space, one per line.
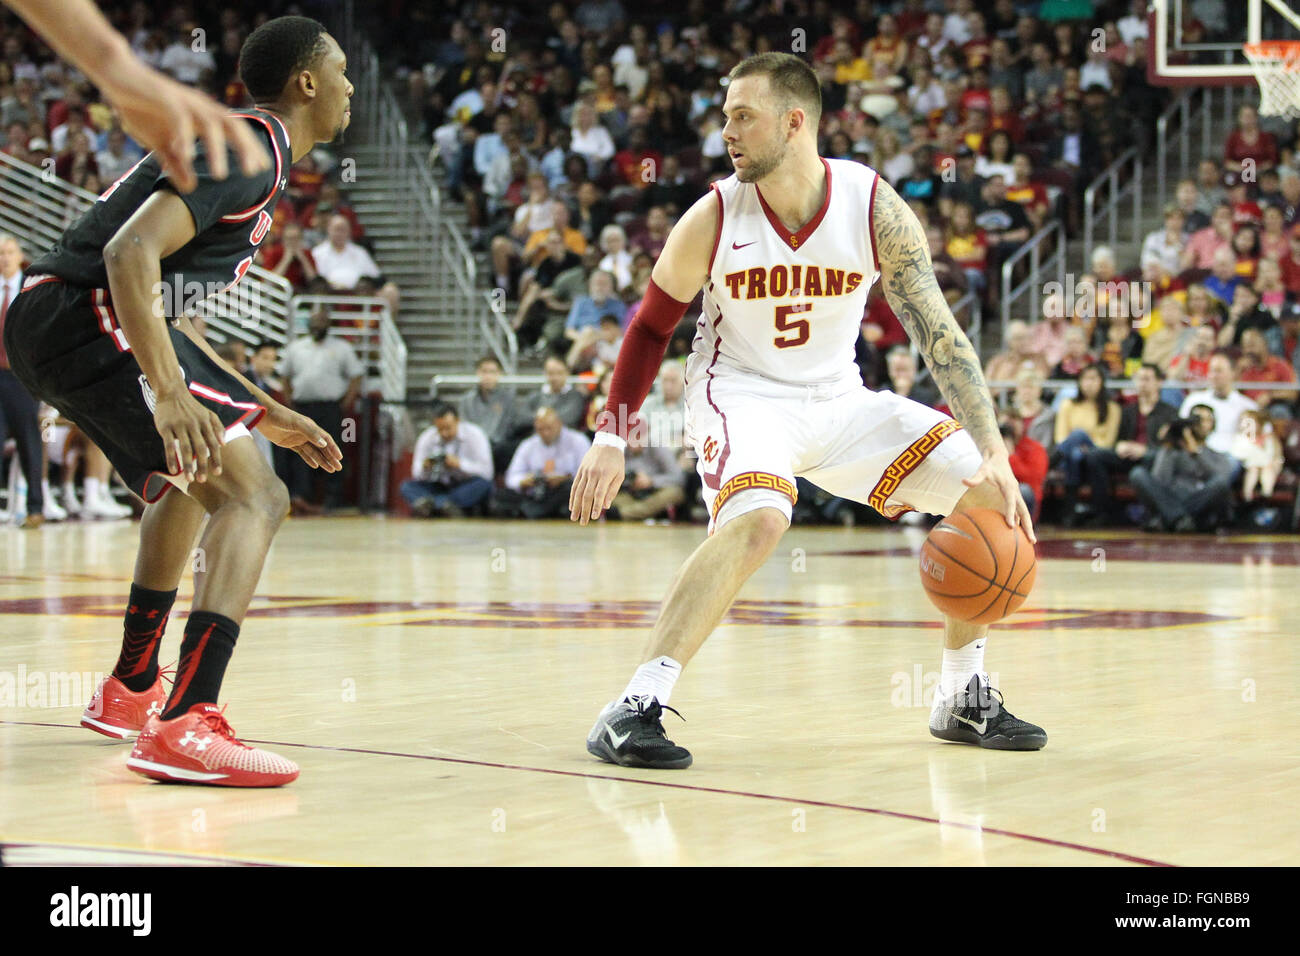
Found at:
[639, 359]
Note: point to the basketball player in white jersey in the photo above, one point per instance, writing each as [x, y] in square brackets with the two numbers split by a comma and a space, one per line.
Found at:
[786, 251]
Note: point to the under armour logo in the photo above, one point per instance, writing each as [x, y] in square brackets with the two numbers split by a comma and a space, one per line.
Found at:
[189, 738]
[154, 708]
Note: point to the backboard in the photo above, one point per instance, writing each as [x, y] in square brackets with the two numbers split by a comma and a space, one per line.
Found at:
[1200, 42]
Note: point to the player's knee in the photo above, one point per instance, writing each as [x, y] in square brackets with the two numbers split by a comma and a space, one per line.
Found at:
[270, 502]
[760, 530]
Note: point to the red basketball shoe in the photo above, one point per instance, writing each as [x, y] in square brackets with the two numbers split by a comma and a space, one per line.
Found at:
[116, 711]
[200, 747]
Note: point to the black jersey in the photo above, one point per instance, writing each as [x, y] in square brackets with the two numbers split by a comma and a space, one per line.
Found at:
[231, 218]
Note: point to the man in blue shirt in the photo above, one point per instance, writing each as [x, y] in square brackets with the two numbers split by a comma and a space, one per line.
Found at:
[541, 473]
[583, 324]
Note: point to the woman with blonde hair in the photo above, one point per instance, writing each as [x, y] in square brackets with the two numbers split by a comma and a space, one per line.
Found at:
[617, 260]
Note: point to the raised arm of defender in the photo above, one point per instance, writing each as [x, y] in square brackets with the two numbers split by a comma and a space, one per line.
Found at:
[679, 273]
[910, 288]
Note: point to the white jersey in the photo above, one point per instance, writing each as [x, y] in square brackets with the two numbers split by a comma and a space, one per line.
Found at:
[789, 306]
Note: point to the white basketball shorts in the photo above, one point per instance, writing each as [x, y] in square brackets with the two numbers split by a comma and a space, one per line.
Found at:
[877, 448]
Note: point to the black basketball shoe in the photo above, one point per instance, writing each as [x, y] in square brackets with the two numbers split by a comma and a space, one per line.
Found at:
[976, 716]
[628, 733]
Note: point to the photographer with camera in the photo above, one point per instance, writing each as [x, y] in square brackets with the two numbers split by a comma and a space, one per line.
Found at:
[541, 472]
[452, 467]
[1189, 486]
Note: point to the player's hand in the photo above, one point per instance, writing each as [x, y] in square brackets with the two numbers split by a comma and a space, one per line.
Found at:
[599, 477]
[191, 434]
[300, 434]
[166, 116]
[997, 469]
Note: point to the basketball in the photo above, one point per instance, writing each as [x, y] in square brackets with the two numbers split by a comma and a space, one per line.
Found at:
[975, 568]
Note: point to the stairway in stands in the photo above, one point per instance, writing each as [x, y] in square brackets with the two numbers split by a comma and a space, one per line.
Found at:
[436, 340]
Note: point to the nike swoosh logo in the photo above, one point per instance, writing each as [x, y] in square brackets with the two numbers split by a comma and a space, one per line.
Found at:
[734, 246]
[614, 738]
[979, 728]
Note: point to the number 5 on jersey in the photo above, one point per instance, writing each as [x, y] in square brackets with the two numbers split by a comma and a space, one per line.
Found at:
[799, 327]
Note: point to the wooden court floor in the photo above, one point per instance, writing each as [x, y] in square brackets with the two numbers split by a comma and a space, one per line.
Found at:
[436, 681]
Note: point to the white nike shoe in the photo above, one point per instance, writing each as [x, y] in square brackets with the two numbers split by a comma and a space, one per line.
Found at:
[52, 511]
[70, 503]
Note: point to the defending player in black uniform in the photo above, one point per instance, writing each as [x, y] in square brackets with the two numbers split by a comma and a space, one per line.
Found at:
[97, 332]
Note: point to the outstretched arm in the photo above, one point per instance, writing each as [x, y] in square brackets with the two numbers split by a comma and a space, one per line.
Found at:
[907, 279]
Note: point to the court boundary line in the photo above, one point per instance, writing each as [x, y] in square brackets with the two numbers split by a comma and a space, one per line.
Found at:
[775, 798]
[175, 855]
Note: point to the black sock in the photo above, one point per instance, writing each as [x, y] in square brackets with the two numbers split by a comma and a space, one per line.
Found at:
[205, 651]
[142, 631]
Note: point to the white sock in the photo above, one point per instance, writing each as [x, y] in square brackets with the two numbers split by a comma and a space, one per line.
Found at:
[90, 489]
[959, 666]
[654, 679]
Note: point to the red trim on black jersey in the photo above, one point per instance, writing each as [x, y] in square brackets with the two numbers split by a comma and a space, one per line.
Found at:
[799, 239]
[279, 168]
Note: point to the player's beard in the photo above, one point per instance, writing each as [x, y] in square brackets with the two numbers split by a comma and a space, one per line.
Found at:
[759, 166]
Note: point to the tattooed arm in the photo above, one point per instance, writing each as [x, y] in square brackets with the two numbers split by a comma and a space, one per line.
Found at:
[907, 279]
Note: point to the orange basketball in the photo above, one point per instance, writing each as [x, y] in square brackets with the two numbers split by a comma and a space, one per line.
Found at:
[977, 569]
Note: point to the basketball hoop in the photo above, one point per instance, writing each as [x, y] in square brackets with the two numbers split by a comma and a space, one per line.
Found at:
[1277, 67]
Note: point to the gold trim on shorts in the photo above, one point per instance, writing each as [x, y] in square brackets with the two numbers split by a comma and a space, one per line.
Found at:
[907, 462]
[753, 479]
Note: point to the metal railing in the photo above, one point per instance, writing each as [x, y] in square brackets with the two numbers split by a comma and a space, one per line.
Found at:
[1120, 181]
[367, 325]
[463, 382]
[36, 207]
[1192, 115]
[1046, 252]
[439, 241]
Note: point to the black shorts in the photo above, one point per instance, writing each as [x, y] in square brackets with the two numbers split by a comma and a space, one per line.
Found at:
[66, 347]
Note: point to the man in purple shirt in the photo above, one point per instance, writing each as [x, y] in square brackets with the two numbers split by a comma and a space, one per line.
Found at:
[542, 470]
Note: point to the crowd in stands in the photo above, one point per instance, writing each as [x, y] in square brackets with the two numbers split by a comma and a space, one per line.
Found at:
[577, 141]
[1212, 307]
[51, 117]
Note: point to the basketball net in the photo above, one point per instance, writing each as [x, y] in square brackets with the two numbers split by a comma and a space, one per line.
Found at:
[1277, 67]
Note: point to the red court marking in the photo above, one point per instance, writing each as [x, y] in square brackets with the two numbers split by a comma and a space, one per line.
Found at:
[895, 814]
